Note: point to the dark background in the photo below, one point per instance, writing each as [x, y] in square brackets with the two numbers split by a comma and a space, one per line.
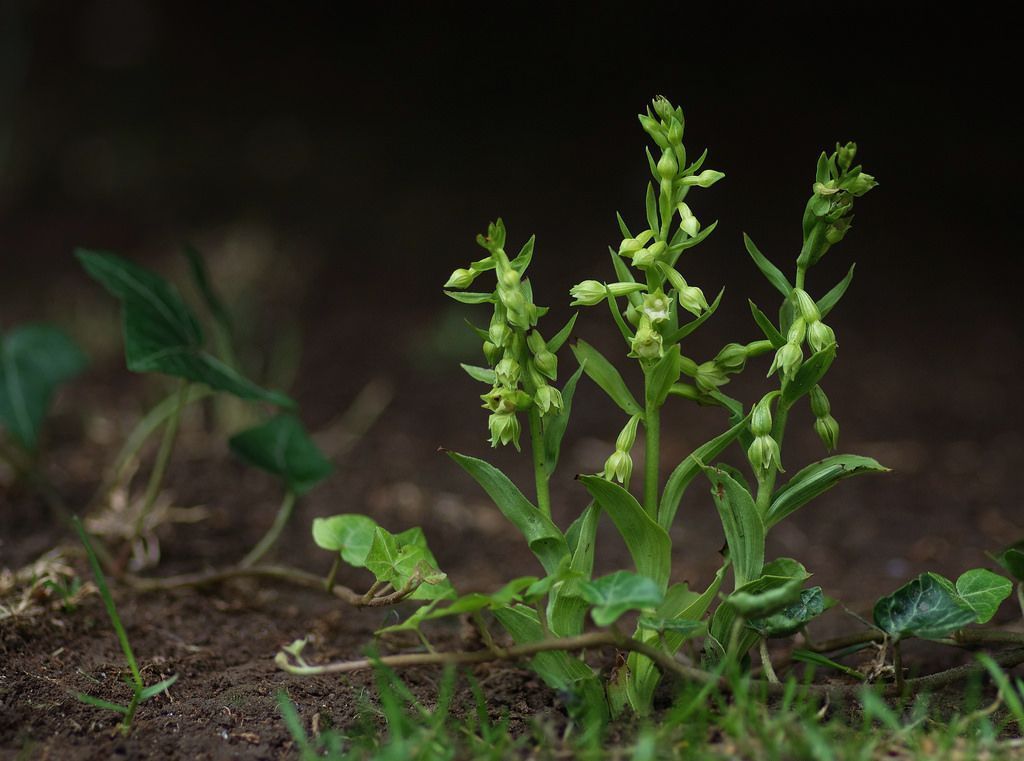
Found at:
[340, 164]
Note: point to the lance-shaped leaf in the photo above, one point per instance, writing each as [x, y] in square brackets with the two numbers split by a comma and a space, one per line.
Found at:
[816, 479]
[618, 593]
[647, 542]
[827, 302]
[34, 361]
[161, 335]
[792, 618]
[1012, 559]
[544, 538]
[689, 468]
[567, 608]
[601, 371]
[281, 446]
[684, 330]
[662, 376]
[807, 377]
[743, 527]
[350, 534]
[559, 338]
[769, 270]
[466, 297]
[767, 327]
[984, 592]
[482, 374]
[927, 607]
[555, 425]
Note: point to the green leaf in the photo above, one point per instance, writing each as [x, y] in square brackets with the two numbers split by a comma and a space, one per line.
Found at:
[160, 333]
[648, 543]
[562, 336]
[807, 377]
[482, 374]
[556, 424]
[769, 270]
[816, 479]
[775, 590]
[791, 619]
[470, 603]
[201, 277]
[830, 299]
[34, 361]
[692, 325]
[928, 607]
[601, 371]
[401, 561]
[619, 592]
[679, 626]
[281, 446]
[767, 327]
[155, 689]
[651, 208]
[662, 376]
[743, 527]
[466, 297]
[984, 592]
[623, 228]
[350, 534]
[567, 608]
[809, 656]
[522, 261]
[99, 703]
[689, 468]
[1012, 559]
[544, 538]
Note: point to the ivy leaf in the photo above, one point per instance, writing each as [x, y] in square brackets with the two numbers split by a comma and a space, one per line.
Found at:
[816, 479]
[619, 592]
[791, 619]
[350, 534]
[604, 374]
[34, 361]
[281, 446]
[927, 607]
[1012, 559]
[984, 592]
[161, 335]
[403, 560]
[777, 588]
[470, 603]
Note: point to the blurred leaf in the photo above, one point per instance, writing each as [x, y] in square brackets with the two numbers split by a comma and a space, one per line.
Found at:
[743, 527]
[281, 446]
[201, 277]
[1012, 559]
[791, 619]
[776, 589]
[34, 361]
[618, 593]
[465, 297]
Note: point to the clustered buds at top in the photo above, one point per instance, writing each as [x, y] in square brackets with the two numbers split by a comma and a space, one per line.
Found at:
[647, 343]
[619, 466]
[824, 424]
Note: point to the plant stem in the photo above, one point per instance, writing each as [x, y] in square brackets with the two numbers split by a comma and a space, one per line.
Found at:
[540, 470]
[163, 456]
[652, 455]
[284, 512]
[801, 274]
[766, 662]
[766, 485]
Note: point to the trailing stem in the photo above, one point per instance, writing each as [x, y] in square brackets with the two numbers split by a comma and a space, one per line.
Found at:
[284, 512]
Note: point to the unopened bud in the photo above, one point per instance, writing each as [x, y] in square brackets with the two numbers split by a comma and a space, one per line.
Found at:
[461, 278]
[797, 331]
[588, 293]
[508, 372]
[688, 221]
[732, 358]
[709, 376]
[764, 455]
[820, 405]
[835, 232]
[675, 132]
[499, 332]
[492, 353]
[845, 155]
[820, 336]
[761, 418]
[805, 304]
[705, 179]
[510, 278]
[663, 108]
[828, 431]
[667, 166]
[692, 300]
[548, 399]
[504, 428]
[618, 467]
[632, 245]
[627, 436]
[860, 184]
[547, 363]
[788, 359]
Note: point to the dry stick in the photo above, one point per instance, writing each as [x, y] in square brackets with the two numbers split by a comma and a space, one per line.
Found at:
[280, 573]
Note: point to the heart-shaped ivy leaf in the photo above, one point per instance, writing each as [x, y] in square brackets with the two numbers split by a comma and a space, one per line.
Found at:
[34, 361]
[1012, 559]
[811, 604]
[619, 592]
[281, 446]
[350, 534]
[931, 606]
[984, 592]
[161, 335]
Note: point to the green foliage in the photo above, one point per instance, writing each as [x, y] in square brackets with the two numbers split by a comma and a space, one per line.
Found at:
[34, 361]
[161, 334]
[792, 618]
[282, 447]
[620, 592]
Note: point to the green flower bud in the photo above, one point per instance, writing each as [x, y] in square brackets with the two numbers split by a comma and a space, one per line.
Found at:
[618, 467]
[709, 376]
[646, 343]
[834, 233]
[510, 278]
[633, 315]
[692, 300]
[548, 399]
[656, 306]
[761, 418]
[505, 400]
[667, 166]
[732, 358]
[588, 293]
[824, 189]
[820, 336]
[627, 436]
[663, 108]
[547, 363]
[764, 455]
[508, 372]
[644, 259]
[498, 331]
[820, 405]
[677, 280]
[492, 353]
[828, 431]
[797, 331]
[687, 221]
[788, 358]
[536, 342]
[461, 278]
[805, 304]
[845, 155]
[675, 132]
[630, 246]
[860, 184]
[504, 428]
[514, 302]
[705, 179]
